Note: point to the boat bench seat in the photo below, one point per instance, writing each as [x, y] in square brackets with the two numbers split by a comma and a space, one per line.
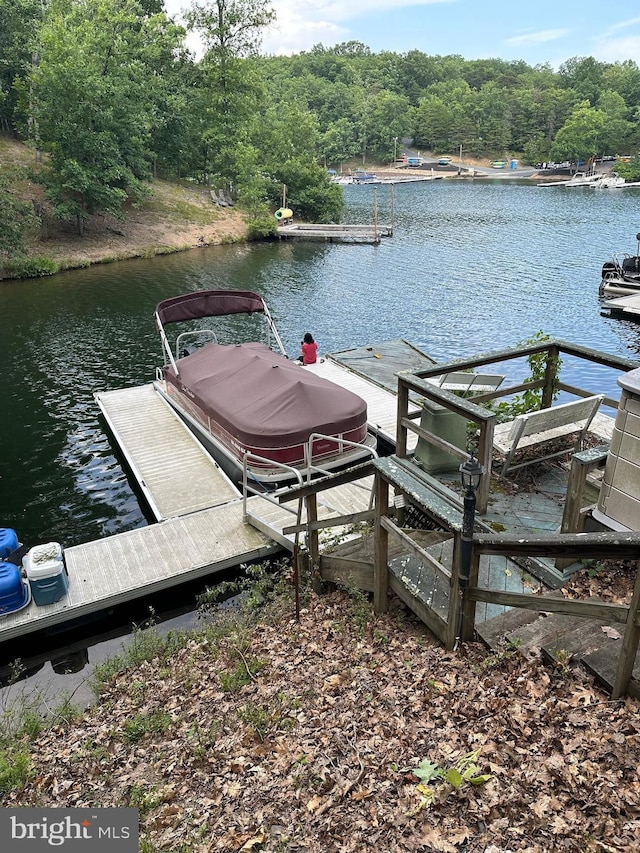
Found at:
[462, 380]
[537, 428]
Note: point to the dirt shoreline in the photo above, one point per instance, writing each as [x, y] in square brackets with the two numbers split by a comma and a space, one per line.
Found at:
[174, 219]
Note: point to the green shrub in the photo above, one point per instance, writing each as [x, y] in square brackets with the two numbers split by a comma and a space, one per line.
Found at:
[23, 267]
[14, 770]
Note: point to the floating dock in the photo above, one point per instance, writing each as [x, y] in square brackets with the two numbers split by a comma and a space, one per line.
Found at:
[138, 563]
[201, 528]
[335, 233]
[174, 472]
[624, 307]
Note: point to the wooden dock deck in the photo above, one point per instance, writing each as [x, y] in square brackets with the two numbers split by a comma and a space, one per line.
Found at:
[175, 473]
[624, 307]
[335, 233]
[138, 563]
[380, 363]
[382, 405]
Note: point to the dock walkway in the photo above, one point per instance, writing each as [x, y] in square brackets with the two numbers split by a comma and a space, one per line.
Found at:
[624, 307]
[175, 473]
[335, 233]
[138, 563]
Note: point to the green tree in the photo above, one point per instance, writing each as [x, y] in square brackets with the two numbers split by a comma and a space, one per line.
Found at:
[230, 29]
[585, 76]
[617, 132]
[19, 29]
[339, 142]
[94, 107]
[231, 85]
[580, 136]
[15, 216]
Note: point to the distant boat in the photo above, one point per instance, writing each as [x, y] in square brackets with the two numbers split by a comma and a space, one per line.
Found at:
[362, 177]
[609, 182]
[619, 279]
[579, 179]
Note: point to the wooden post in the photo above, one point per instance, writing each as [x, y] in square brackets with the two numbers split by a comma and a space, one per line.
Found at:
[381, 547]
[550, 376]
[313, 535]
[455, 601]
[393, 207]
[485, 450]
[572, 516]
[627, 657]
[469, 606]
[403, 412]
[375, 214]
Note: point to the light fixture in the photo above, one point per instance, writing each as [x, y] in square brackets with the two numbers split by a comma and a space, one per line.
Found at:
[470, 473]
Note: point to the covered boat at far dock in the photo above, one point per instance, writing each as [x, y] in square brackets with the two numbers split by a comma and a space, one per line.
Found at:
[251, 404]
[621, 278]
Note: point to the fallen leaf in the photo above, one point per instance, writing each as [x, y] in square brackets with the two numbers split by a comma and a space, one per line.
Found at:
[252, 842]
[313, 803]
[611, 632]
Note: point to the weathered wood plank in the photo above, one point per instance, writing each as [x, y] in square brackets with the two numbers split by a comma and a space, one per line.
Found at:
[585, 545]
[346, 571]
[603, 663]
[588, 609]
[494, 632]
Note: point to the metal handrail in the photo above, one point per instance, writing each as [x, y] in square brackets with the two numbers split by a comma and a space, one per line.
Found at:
[245, 479]
[205, 333]
[341, 442]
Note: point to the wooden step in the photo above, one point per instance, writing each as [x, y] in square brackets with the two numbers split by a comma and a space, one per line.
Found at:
[603, 663]
[584, 639]
[494, 632]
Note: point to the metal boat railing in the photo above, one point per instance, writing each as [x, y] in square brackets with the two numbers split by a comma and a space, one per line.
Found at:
[207, 334]
[296, 473]
[341, 442]
[246, 488]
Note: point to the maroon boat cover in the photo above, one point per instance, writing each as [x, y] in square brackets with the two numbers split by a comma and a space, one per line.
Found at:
[263, 398]
[208, 303]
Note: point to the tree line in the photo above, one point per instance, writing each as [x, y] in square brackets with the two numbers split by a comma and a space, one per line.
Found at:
[110, 93]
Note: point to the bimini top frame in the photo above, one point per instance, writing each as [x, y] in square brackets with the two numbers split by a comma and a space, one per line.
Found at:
[211, 303]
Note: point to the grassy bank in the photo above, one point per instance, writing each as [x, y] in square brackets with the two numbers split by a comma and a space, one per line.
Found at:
[175, 217]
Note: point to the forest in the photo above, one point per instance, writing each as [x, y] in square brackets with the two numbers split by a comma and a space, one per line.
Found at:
[109, 96]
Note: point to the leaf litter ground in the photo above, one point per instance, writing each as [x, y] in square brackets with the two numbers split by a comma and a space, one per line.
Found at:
[307, 736]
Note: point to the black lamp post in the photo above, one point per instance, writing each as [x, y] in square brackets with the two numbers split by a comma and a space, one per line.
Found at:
[470, 473]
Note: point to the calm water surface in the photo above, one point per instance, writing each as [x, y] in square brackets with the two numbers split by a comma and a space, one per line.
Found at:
[472, 266]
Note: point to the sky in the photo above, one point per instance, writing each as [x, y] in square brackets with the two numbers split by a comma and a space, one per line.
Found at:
[542, 32]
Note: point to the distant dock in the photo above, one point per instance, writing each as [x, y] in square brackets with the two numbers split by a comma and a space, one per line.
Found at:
[335, 233]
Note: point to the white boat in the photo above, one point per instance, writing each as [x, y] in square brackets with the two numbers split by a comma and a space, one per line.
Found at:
[579, 179]
[609, 182]
[361, 176]
[251, 406]
[621, 278]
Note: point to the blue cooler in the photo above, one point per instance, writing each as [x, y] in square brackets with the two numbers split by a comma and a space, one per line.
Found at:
[46, 572]
[8, 542]
[14, 592]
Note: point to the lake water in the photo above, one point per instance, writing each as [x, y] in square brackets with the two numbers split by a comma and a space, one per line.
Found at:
[472, 266]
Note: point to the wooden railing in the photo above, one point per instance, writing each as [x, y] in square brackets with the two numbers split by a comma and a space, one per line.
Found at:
[415, 384]
[602, 546]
